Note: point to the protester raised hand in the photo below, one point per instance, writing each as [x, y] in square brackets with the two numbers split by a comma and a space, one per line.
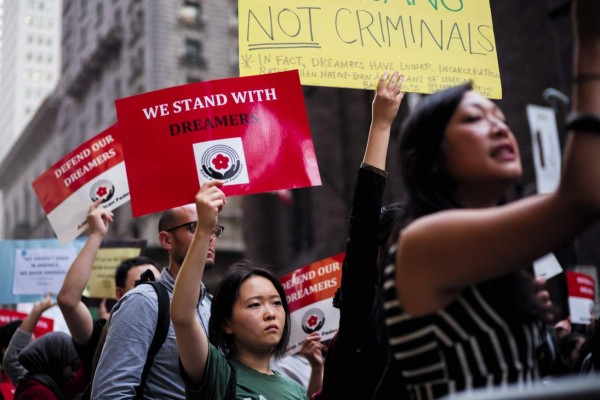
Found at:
[388, 96]
[209, 202]
[386, 103]
[34, 316]
[99, 219]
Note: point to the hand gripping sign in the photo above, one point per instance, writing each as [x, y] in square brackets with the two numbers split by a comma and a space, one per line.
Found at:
[250, 132]
[93, 171]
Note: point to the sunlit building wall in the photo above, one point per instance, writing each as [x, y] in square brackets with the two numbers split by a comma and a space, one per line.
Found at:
[114, 49]
[30, 62]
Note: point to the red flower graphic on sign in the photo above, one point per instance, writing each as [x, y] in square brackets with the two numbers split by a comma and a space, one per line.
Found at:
[221, 162]
[102, 191]
[312, 321]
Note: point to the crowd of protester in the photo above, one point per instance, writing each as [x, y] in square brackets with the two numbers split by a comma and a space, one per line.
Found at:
[436, 297]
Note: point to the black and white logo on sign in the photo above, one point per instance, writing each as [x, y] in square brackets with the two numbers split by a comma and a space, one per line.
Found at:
[221, 159]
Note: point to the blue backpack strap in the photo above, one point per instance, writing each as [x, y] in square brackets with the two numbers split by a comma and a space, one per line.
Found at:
[162, 328]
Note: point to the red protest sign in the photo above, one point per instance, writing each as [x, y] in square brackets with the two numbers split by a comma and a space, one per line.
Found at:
[580, 285]
[93, 171]
[251, 132]
[581, 289]
[309, 292]
[43, 326]
[314, 282]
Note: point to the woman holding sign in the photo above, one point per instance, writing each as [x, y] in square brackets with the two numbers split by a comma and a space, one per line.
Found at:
[460, 313]
[249, 322]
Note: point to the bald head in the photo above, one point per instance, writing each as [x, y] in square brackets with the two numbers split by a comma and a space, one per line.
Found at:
[174, 216]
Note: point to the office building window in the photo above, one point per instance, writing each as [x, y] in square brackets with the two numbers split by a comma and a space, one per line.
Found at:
[99, 113]
[118, 91]
[193, 52]
[137, 26]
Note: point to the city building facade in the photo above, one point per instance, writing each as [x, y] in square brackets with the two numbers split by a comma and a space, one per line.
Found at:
[114, 49]
[30, 66]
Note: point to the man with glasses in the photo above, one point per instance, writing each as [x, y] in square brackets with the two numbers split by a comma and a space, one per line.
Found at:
[134, 319]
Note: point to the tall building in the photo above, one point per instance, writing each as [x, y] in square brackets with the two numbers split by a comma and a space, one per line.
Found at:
[118, 49]
[114, 49]
[1, 18]
[30, 62]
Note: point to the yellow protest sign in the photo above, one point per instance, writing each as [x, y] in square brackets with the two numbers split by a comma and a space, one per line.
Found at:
[102, 278]
[350, 43]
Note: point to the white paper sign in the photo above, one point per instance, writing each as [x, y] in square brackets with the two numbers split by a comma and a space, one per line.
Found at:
[320, 316]
[545, 146]
[39, 271]
[581, 310]
[547, 267]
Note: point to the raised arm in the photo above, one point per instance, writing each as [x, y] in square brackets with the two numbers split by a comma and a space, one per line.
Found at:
[440, 254]
[77, 316]
[21, 338]
[582, 170]
[192, 342]
[386, 104]
[359, 272]
[29, 323]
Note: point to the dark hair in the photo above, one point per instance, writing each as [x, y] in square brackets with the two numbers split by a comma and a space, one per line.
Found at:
[126, 265]
[166, 219]
[428, 187]
[226, 295]
[7, 331]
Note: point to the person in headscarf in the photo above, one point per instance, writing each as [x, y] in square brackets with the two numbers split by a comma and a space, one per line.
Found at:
[54, 369]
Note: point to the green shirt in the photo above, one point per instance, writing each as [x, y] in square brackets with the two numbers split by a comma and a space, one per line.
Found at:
[250, 384]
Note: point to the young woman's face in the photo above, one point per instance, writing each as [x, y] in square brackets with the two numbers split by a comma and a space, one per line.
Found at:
[258, 317]
[479, 145]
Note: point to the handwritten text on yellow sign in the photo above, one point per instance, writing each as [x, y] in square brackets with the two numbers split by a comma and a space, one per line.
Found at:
[349, 43]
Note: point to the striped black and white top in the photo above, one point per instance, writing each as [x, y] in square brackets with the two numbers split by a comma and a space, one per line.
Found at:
[474, 342]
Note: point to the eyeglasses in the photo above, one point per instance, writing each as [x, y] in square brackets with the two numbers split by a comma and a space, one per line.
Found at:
[191, 226]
